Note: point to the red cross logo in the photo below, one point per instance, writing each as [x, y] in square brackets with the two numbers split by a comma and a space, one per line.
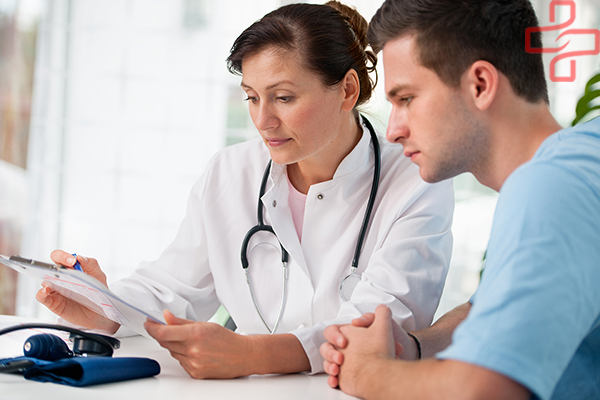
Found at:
[569, 54]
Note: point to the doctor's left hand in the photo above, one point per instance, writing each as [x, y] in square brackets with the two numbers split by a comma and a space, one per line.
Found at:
[204, 349]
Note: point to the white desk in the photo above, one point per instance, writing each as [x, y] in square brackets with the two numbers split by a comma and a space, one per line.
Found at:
[172, 382]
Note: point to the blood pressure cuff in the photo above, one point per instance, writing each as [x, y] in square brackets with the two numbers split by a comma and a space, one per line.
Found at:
[86, 371]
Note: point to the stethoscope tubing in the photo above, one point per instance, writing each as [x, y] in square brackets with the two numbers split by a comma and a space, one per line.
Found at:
[372, 195]
[261, 226]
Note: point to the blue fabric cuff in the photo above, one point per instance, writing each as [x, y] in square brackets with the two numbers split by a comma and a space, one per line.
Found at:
[84, 371]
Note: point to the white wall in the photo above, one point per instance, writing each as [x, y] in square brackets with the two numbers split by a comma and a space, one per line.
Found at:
[130, 103]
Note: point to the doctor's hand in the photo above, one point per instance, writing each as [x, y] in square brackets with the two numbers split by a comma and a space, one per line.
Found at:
[405, 347]
[363, 348]
[68, 309]
[204, 349]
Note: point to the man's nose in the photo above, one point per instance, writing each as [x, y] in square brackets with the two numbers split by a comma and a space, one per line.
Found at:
[397, 129]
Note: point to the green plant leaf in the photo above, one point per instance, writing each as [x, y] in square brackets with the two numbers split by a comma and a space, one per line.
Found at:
[584, 106]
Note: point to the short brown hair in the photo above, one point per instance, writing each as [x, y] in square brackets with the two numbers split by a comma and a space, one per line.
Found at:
[451, 35]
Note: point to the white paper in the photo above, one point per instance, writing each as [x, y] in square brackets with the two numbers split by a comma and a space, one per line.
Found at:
[87, 291]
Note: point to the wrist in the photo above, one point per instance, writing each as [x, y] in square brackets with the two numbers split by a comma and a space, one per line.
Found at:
[108, 325]
[250, 360]
[259, 359]
[276, 354]
[373, 377]
[417, 346]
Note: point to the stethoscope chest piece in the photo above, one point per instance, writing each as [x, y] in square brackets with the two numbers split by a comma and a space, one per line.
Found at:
[348, 284]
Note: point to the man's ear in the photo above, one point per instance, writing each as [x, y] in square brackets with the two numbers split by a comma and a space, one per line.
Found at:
[351, 88]
[481, 80]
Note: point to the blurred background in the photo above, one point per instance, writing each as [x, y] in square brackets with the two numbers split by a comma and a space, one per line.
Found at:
[110, 110]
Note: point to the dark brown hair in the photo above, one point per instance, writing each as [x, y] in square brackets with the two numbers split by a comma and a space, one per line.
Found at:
[331, 39]
[452, 34]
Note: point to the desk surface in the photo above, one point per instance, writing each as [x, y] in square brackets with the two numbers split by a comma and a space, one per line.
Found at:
[172, 382]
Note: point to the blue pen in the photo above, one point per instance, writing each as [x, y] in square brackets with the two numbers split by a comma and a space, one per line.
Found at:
[77, 266]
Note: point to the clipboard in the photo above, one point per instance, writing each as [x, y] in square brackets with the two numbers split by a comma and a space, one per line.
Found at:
[85, 290]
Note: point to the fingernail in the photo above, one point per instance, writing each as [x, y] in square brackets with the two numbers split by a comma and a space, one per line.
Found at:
[70, 260]
[84, 258]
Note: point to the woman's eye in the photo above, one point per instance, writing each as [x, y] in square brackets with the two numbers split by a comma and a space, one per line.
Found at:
[407, 100]
[251, 98]
[284, 99]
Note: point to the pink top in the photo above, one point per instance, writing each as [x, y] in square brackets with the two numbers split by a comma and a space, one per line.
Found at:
[296, 202]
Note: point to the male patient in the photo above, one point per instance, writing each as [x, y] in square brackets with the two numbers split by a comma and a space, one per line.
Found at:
[466, 96]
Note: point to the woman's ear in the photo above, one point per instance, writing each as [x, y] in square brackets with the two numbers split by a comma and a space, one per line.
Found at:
[351, 89]
[482, 83]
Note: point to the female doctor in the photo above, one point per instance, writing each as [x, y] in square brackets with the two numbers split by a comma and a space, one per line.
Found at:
[320, 163]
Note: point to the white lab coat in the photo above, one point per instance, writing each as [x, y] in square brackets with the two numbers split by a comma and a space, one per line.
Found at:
[404, 260]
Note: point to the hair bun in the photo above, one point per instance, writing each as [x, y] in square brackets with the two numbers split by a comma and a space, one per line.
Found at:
[357, 22]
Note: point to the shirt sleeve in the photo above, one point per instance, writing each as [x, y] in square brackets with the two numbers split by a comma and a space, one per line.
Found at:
[539, 293]
[406, 272]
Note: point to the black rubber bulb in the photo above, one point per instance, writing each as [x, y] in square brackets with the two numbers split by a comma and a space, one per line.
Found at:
[46, 347]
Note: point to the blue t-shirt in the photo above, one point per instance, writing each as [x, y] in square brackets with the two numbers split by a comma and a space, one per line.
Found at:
[535, 317]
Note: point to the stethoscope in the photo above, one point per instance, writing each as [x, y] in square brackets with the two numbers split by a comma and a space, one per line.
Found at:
[351, 280]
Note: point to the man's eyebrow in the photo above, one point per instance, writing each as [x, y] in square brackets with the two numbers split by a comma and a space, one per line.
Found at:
[270, 86]
[395, 90]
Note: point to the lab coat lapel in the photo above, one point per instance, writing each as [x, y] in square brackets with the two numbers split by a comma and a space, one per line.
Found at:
[278, 212]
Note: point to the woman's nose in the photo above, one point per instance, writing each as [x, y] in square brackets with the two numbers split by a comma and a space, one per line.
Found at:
[264, 118]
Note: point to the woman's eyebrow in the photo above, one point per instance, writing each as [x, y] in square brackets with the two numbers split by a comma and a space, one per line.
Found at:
[244, 85]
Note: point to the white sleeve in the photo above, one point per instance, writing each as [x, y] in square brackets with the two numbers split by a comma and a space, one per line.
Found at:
[406, 271]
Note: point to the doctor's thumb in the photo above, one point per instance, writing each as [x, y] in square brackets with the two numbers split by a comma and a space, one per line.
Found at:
[171, 319]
